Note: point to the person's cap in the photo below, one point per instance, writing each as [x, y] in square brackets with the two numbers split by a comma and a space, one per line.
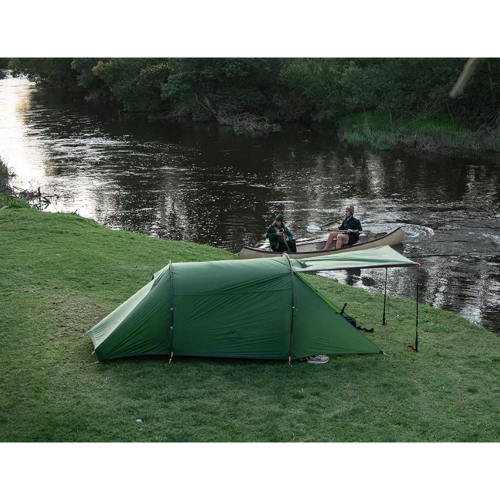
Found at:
[279, 217]
[351, 209]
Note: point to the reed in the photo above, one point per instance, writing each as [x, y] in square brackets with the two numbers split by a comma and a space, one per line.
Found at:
[426, 133]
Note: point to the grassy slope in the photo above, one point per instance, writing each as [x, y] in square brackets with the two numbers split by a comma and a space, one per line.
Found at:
[60, 274]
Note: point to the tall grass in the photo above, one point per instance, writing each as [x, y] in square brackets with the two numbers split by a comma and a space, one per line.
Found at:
[425, 132]
[4, 176]
[7, 197]
[61, 274]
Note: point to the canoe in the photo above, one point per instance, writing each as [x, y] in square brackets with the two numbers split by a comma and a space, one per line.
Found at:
[313, 248]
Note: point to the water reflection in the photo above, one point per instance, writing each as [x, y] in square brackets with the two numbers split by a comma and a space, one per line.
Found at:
[201, 183]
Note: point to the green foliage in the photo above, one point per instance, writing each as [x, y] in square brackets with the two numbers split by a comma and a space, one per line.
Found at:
[3, 169]
[316, 83]
[53, 72]
[322, 90]
[355, 138]
[135, 83]
[7, 199]
[5, 190]
[85, 75]
[211, 88]
[10, 202]
[426, 132]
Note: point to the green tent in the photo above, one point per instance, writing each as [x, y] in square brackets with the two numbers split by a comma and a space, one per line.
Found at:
[255, 308]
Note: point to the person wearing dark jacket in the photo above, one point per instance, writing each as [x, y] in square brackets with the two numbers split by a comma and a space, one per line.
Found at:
[280, 237]
[352, 228]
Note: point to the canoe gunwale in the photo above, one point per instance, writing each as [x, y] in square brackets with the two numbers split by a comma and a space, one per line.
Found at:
[306, 254]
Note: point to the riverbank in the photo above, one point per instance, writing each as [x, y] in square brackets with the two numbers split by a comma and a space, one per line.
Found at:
[425, 133]
[428, 133]
[63, 273]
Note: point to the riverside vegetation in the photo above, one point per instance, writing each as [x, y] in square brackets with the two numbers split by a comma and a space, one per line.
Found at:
[391, 102]
[62, 273]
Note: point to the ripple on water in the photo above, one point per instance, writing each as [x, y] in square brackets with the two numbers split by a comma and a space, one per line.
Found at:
[413, 232]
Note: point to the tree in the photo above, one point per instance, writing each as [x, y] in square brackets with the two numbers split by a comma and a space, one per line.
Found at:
[135, 83]
[202, 88]
[53, 72]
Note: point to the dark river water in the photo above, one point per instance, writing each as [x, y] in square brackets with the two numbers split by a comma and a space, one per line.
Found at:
[202, 183]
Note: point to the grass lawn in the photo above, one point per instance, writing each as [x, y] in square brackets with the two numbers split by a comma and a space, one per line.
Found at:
[60, 274]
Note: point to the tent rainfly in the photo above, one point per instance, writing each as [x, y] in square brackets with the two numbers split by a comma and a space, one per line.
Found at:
[255, 308]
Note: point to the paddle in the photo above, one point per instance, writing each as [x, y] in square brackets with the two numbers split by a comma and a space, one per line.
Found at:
[315, 229]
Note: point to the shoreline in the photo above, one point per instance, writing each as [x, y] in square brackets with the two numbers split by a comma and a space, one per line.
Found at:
[434, 133]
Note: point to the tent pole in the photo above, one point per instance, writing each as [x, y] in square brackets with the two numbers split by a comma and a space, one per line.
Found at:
[385, 298]
[416, 323]
[415, 347]
[171, 312]
[293, 311]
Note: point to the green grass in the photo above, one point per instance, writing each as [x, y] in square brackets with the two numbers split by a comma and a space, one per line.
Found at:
[427, 132]
[60, 274]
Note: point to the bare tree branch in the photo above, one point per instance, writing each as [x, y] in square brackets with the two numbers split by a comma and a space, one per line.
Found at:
[467, 72]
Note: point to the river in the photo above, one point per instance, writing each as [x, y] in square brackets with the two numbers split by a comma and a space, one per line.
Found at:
[203, 183]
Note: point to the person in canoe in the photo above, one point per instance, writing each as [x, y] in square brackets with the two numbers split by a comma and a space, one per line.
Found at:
[350, 225]
[280, 237]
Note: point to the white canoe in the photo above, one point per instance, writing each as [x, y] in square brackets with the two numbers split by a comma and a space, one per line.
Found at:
[314, 248]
